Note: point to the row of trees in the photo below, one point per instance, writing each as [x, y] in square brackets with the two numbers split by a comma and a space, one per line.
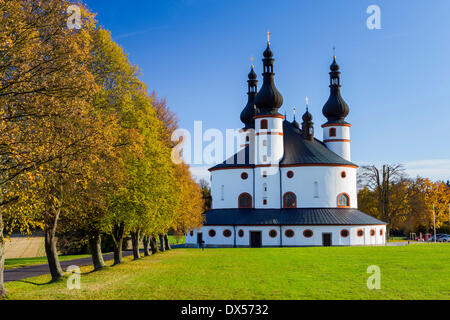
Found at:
[406, 204]
[81, 141]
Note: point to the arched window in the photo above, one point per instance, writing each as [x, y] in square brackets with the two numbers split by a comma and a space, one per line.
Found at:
[333, 132]
[245, 201]
[289, 200]
[241, 233]
[343, 200]
[264, 124]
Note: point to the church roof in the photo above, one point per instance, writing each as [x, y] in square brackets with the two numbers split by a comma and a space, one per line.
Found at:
[297, 151]
[299, 216]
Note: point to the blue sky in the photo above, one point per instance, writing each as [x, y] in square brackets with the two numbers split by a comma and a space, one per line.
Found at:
[396, 80]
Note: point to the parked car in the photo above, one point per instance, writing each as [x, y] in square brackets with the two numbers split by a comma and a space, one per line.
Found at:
[438, 236]
[445, 238]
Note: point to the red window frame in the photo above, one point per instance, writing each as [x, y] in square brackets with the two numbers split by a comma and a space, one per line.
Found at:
[360, 233]
[348, 200]
[264, 124]
[284, 200]
[308, 236]
[332, 132]
[239, 201]
[212, 233]
[273, 233]
[347, 233]
[227, 233]
[289, 233]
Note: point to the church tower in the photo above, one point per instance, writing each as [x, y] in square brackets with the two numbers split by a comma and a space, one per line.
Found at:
[268, 137]
[336, 132]
[249, 111]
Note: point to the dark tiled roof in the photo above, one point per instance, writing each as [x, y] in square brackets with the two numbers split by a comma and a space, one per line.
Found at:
[296, 151]
[312, 216]
[302, 151]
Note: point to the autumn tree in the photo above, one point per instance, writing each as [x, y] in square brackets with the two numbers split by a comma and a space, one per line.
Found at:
[380, 181]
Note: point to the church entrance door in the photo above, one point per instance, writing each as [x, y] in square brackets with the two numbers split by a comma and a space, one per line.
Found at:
[199, 238]
[326, 239]
[255, 239]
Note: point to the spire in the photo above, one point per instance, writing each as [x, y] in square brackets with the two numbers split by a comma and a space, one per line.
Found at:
[335, 109]
[248, 112]
[268, 100]
[294, 122]
[307, 124]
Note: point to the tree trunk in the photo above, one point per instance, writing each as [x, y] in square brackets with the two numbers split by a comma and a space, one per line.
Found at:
[135, 241]
[2, 259]
[95, 242]
[52, 255]
[166, 242]
[161, 243]
[154, 245]
[146, 242]
[117, 235]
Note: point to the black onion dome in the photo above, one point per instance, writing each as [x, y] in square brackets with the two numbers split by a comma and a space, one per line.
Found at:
[269, 99]
[268, 52]
[307, 117]
[249, 110]
[334, 66]
[252, 75]
[335, 109]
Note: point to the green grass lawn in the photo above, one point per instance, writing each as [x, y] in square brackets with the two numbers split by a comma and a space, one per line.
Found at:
[25, 262]
[410, 272]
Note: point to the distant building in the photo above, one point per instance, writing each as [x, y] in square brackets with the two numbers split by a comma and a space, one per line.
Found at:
[285, 187]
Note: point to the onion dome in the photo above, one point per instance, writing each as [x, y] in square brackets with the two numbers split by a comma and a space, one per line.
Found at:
[268, 100]
[307, 117]
[335, 109]
[308, 124]
[249, 110]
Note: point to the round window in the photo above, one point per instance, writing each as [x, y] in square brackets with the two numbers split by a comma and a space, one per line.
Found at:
[212, 233]
[244, 175]
[290, 174]
[227, 233]
[289, 233]
[344, 233]
[241, 233]
[308, 233]
[360, 232]
[273, 233]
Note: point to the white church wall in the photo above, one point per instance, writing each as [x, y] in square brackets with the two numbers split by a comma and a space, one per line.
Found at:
[227, 185]
[297, 240]
[267, 188]
[319, 187]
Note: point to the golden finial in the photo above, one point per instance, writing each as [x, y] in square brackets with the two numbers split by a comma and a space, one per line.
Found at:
[293, 109]
[307, 103]
[334, 52]
[268, 37]
[251, 60]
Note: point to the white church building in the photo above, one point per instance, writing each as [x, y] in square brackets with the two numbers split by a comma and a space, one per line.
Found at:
[285, 188]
